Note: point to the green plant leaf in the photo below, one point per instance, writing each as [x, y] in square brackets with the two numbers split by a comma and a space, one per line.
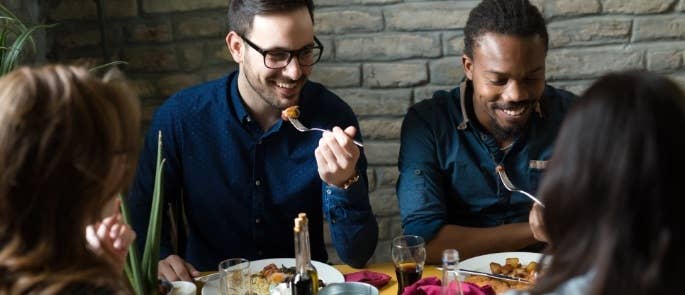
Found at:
[109, 64]
[12, 55]
[132, 267]
[151, 253]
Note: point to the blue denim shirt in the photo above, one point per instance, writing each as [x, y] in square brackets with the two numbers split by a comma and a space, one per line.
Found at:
[447, 163]
[242, 187]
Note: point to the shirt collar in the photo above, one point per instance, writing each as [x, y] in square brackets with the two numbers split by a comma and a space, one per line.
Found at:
[237, 101]
[465, 88]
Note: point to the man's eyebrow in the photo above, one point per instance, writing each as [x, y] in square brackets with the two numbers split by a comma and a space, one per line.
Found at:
[288, 49]
[505, 74]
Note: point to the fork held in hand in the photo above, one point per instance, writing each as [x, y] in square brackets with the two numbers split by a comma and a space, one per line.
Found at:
[510, 186]
[298, 125]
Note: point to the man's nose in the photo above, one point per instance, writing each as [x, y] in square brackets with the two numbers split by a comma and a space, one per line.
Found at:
[515, 91]
[293, 70]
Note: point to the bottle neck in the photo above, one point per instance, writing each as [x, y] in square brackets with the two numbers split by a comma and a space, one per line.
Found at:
[302, 252]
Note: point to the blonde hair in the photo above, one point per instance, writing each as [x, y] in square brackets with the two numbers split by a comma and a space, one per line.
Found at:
[68, 144]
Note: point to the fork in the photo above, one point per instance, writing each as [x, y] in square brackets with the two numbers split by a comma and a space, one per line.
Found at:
[510, 186]
[298, 125]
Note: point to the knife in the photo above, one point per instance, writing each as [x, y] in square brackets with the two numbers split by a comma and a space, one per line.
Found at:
[207, 278]
[491, 275]
[494, 276]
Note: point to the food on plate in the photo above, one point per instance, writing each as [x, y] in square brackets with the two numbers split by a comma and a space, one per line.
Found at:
[269, 278]
[292, 112]
[513, 268]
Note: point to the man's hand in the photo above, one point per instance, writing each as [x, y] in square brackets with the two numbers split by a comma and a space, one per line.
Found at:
[537, 224]
[110, 239]
[337, 155]
[174, 268]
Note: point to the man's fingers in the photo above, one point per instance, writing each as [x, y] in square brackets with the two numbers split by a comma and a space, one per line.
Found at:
[179, 267]
[194, 272]
[165, 271]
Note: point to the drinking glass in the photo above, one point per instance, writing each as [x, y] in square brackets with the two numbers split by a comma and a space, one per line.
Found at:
[408, 255]
[235, 277]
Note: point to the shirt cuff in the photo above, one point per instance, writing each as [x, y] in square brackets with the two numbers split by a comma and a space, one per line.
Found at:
[343, 205]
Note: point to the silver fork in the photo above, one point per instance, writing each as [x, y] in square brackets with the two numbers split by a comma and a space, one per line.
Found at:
[298, 125]
[510, 186]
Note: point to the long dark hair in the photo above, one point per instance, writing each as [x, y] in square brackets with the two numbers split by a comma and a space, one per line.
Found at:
[612, 189]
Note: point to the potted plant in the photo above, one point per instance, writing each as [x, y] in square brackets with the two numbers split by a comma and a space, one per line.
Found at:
[142, 274]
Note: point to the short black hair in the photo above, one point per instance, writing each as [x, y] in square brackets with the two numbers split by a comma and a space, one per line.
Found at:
[242, 12]
[508, 17]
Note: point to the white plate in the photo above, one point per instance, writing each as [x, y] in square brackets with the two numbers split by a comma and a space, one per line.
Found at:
[482, 263]
[326, 273]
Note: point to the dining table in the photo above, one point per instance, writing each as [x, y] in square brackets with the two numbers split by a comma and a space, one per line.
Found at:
[387, 268]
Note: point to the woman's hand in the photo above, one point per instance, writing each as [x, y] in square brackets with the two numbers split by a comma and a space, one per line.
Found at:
[537, 225]
[110, 239]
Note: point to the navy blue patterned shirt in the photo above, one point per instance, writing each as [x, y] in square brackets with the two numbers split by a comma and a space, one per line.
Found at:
[241, 187]
[447, 163]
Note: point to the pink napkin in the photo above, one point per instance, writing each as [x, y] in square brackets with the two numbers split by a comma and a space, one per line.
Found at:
[365, 276]
[432, 286]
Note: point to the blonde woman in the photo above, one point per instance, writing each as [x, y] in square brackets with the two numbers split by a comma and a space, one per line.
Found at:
[68, 145]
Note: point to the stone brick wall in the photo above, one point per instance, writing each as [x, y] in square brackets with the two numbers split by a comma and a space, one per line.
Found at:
[381, 56]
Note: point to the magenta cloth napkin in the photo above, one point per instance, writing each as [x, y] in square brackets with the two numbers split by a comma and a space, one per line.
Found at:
[365, 276]
[432, 286]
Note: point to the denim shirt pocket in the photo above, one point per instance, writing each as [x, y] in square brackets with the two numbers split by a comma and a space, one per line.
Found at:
[536, 168]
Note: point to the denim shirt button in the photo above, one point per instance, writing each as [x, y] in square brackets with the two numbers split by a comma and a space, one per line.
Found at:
[258, 182]
[328, 191]
[417, 172]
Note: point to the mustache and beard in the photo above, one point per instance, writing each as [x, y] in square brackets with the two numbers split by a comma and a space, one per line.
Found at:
[524, 107]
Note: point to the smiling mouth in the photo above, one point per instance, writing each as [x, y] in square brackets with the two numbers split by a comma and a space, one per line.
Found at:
[286, 85]
[515, 112]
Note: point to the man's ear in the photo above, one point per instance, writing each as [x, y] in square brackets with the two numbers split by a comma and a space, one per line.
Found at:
[468, 66]
[235, 46]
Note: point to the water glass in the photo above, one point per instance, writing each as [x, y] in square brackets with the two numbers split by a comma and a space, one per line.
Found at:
[235, 277]
[408, 255]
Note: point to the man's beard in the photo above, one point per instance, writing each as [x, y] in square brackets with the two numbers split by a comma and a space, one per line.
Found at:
[502, 132]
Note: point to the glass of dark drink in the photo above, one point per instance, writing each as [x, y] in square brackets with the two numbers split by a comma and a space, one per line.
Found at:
[408, 255]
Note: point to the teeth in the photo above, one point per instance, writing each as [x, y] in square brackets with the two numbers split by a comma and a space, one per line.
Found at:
[514, 112]
[285, 85]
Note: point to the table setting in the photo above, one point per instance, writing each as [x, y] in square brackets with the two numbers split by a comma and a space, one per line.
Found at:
[388, 278]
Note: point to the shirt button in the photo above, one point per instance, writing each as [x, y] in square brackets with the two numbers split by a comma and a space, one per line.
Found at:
[483, 137]
[258, 182]
[417, 172]
[257, 220]
[328, 191]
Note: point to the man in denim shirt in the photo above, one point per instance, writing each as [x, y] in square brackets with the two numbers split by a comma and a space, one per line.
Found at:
[502, 114]
[243, 174]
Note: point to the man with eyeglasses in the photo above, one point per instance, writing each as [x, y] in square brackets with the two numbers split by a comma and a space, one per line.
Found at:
[240, 172]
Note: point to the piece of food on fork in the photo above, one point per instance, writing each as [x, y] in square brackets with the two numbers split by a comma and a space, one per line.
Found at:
[292, 112]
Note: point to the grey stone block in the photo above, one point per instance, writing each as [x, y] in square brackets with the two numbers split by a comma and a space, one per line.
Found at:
[387, 47]
[376, 102]
[440, 15]
[348, 20]
[391, 75]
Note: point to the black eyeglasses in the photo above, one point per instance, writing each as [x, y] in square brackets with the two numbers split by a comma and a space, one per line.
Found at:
[278, 59]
